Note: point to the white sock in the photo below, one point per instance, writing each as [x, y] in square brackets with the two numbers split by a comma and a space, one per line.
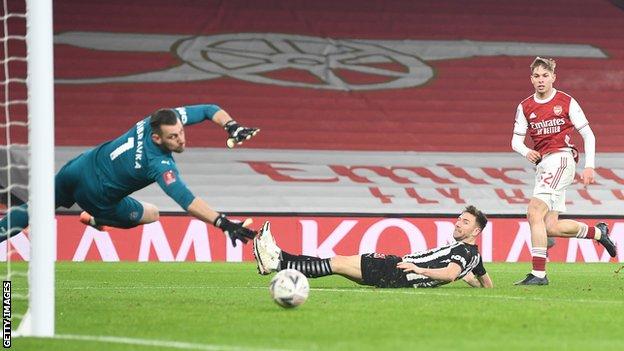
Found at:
[539, 274]
[598, 234]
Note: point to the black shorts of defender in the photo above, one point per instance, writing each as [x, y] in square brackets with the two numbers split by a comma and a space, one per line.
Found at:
[381, 271]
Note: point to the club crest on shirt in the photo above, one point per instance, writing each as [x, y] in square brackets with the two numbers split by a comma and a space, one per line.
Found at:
[557, 110]
[169, 177]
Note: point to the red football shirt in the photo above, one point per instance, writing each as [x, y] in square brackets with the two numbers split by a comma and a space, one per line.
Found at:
[550, 122]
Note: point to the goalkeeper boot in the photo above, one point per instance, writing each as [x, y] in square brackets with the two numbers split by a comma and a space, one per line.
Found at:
[604, 238]
[89, 220]
[532, 280]
[266, 251]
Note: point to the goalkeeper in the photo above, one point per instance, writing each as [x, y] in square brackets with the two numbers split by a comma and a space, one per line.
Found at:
[101, 179]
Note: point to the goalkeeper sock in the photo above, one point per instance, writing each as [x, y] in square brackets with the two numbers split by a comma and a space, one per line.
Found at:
[19, 221]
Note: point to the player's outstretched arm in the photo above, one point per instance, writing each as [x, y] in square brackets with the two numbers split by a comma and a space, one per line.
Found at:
[447, 274]
[236, 133]
[235, 231]
[193, 114]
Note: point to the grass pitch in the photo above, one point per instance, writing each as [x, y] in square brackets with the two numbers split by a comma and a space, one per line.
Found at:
[226, 306]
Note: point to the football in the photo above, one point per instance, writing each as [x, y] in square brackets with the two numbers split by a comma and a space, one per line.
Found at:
[289, 288]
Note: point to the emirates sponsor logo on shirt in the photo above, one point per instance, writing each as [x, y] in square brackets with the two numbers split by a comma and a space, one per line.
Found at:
[548, 123]
[549, 126]
[557, 110]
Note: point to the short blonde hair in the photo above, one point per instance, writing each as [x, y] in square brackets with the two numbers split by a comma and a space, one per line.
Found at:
[548, 64]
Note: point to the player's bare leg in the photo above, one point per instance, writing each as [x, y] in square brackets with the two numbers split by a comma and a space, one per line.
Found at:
[536, 215]
[567, 228]
[87, 219]
[150, 213]
[349, 267]
[564, 228]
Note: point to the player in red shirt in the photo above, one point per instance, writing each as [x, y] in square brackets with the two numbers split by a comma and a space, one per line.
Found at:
[550, 117]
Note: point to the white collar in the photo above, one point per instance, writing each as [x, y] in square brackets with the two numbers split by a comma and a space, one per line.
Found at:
[546, 99]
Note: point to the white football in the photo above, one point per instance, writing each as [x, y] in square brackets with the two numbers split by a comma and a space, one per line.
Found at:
[289, 288]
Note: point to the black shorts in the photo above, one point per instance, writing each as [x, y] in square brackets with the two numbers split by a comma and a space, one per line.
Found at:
[381, 271]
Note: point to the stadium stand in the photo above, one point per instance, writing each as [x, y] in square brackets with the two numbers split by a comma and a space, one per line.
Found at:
[477, 92]
[339, 77]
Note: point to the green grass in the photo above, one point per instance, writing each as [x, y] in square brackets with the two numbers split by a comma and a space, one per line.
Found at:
[226, 306]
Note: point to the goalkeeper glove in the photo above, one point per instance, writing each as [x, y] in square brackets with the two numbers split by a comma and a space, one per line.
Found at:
[236, 231]
[238, 134]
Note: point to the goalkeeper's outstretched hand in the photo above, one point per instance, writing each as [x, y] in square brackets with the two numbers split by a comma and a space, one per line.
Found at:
[238, 133]
[236, 231]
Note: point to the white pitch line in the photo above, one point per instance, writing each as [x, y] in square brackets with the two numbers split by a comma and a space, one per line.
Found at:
[147, 287]
[407, 291]
[160, 343]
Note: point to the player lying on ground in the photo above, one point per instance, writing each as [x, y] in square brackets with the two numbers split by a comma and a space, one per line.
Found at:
[430, 268]
[101, 179]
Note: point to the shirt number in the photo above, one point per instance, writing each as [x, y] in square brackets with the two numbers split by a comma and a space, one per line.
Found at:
[122, 148]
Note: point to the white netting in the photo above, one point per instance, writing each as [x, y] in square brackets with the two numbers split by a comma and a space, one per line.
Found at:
[14, 156]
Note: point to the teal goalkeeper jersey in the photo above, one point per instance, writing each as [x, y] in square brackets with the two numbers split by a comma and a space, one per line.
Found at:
[132, 161]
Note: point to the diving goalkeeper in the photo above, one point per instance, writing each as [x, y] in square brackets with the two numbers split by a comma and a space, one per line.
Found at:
[101, 179]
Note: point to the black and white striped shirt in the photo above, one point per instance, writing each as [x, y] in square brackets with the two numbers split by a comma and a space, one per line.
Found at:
[465, 255]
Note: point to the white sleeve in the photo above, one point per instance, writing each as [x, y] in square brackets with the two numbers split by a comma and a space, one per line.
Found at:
[517, 143]
[519, 132]
[577, 116]
[589, 141]
[521, 124]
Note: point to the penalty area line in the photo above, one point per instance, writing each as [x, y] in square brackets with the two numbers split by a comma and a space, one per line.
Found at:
[160, 343]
